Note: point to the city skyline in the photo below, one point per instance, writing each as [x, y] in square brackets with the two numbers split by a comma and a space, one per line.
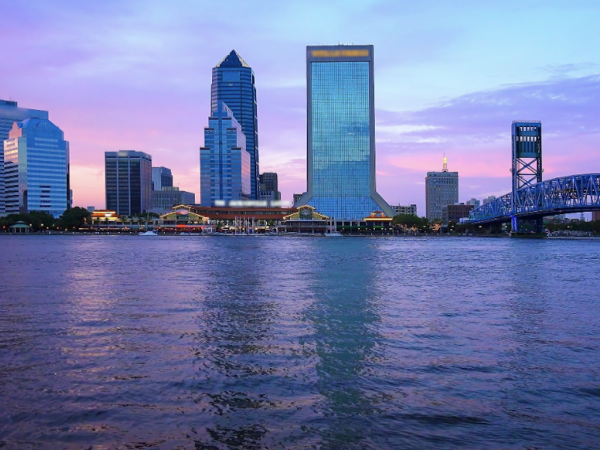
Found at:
[451, 81]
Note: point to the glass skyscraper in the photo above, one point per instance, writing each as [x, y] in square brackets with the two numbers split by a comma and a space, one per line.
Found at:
[233, 83]
[9, 114]
[341, 133]
[36, 168]
[128, 178]
[225, 165]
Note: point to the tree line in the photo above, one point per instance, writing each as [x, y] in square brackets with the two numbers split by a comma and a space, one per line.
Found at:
[71, 219]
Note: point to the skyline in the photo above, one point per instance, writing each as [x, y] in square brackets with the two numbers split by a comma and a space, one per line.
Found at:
[137, 77]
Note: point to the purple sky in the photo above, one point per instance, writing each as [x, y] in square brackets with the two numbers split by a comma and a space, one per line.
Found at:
[449, 78]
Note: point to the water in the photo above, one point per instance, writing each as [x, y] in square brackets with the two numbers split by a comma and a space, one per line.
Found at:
[294, 343]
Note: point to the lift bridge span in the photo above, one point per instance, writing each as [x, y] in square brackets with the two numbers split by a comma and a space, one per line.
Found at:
[563, 195]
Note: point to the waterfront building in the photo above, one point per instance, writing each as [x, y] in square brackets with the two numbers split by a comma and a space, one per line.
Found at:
[269, 187]
[405, 210]
[595, 215]
[225, 165]
[233, 83]
[36, 168]
[441, 189]
[161, 177]
[128, 181]
[9, 114]
[165, 199]
[453, 213]
[341, 132]
[181, 219]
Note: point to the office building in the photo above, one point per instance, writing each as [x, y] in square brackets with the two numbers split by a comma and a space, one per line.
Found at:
[441, 189]
[476, 203]
[453, 213]
[128, 177]
[233, 83]
[225, 165]
[269, 187]
[341, 133]
[36, 168]
[163, 200]
[296, 198]
[489, 199]
[595, 215]
[161, 177]
[404, 210]
[9, 114]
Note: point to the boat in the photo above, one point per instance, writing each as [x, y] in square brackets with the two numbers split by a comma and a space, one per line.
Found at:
[149, 233]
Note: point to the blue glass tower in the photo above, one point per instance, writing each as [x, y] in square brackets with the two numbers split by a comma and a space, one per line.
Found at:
[341, 133]
[36, 168]
[225, 166]
[233, 83]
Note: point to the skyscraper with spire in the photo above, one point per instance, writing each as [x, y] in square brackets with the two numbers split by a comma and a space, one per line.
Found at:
[233, 83]
[441, 189]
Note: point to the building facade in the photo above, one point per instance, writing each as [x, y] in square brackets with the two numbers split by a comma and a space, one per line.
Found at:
[128, 181]
[441, 189]
[225, 165]
[404, 210]
[233, 83]
[341, 132]
[453, 213]
[269, 186]
[164, 199]
[476, 203]
[9, 114]
[36, 168]
[161, 177]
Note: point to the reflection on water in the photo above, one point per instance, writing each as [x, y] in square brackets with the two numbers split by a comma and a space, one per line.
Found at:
[260, 342]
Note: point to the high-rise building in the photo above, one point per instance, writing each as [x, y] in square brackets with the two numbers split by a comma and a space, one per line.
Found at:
[9, 114]
[225, 165]
[476, 203]
[441, 189]
[296, 198]
[341, 132]
[269, 187]
[486, 200]
[233, 83]
[128, 177]
[36, 168]
[161, 177]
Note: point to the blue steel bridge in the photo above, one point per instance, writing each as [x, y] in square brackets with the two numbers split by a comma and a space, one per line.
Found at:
[563, 195]
[531, 198]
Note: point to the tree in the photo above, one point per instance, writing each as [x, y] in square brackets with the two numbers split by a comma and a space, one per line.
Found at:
[74, 218]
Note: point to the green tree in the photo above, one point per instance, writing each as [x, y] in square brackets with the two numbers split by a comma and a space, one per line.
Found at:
[73, 218]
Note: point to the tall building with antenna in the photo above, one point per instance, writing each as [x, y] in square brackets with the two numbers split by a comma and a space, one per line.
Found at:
[441, 189]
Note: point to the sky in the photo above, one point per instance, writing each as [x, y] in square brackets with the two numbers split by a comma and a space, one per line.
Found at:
[450, 77]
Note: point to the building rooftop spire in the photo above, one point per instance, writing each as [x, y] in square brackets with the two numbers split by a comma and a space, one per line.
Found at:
[233, 60]
[445, 166]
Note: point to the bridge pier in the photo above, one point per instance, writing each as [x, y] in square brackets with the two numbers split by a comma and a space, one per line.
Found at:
[530, 225]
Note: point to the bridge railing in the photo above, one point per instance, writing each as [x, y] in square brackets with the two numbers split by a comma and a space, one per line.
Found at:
[558, 195]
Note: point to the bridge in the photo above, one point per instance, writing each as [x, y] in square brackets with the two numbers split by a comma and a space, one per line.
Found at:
[531, 198]
[563, 195]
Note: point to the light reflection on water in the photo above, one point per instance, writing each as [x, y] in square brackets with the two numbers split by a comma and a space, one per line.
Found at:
[266, 342]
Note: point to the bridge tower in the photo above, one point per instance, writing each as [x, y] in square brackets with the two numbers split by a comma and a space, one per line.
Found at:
[526, 164]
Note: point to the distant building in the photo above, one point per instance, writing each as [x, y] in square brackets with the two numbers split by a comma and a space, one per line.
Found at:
[399, 209]
[36, 168]
[161, 177]
[9, 114]
[91, 208]
[595, 215]
[453, 213]
[489, 199]
[441, 189]
[164, 199]
[224, 162]
[128, 181]
[297, 197]
[476, 203]
[233, 83]
[269, 187]
[341, 132]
